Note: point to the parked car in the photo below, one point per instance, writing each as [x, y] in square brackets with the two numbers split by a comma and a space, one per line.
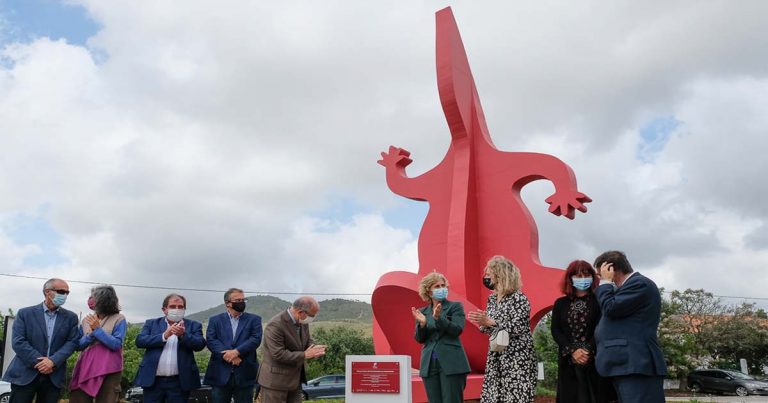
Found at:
[202, 395]
[722, 381]
[5, 392]
[324, 387]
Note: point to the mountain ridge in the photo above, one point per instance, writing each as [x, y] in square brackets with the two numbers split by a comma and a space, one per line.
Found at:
[267, 306]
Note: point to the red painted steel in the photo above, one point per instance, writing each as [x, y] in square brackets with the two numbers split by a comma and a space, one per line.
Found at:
[475, 212]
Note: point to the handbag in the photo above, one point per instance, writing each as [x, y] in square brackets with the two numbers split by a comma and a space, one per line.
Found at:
[499, 340]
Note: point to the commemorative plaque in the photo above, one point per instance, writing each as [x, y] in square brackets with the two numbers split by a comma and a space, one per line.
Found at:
[376, 377]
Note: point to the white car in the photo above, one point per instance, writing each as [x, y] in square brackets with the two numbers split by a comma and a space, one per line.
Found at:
[5, 392]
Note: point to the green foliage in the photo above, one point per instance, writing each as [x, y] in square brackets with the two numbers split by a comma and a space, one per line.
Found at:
[743, 334]
[2, 323]
[339, 341]
[70, 367]
[697, 331]
[342, 309]
[542, 391]
[201, 359]
[546, 352]
[687, 318]
[131, 354]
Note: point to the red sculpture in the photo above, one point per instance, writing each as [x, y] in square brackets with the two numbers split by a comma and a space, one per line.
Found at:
[475, 212]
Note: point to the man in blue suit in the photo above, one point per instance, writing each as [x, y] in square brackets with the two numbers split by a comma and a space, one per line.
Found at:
[627, 348]
[168, 371]
[233, 337]
[44, 336]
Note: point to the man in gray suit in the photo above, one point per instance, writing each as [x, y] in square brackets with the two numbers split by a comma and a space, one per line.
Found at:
[287, 346]
[627, 348]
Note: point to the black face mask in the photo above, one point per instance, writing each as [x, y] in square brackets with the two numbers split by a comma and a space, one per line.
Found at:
[238, 306]
[487, 283]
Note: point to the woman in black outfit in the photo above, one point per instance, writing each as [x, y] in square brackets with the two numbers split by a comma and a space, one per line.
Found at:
[574, 318]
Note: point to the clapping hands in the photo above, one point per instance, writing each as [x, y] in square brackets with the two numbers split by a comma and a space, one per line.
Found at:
[177, 329]
[480, 318]
[93, 321]
[419, 317]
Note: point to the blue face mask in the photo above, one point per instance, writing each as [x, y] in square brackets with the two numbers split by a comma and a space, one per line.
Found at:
[440, 294]
[581, 284]
[59, 299]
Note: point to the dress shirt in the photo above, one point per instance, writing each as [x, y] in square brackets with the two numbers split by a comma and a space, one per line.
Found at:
[234, 321]
[169, 363]
[295, 322]
[50, 322]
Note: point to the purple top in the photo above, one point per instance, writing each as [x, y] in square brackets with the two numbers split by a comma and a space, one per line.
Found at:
[103, 355]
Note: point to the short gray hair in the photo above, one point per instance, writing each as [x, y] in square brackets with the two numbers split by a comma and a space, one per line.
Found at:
[49, 284]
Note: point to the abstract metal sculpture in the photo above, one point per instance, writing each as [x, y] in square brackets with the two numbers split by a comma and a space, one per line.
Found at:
[475, 212]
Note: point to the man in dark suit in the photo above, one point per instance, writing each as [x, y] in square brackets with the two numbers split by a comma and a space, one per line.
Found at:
[233, 337]
[287, 346]
[44, 336]
[168, 371]
[627, 347]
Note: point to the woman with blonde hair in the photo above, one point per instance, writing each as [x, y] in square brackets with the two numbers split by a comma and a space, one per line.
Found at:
[510, 374]
[444, 365]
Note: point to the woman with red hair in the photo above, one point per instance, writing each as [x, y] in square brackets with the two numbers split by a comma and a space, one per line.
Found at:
[574, 319]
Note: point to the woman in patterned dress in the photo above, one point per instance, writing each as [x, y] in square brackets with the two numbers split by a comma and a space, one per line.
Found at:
[574, 319]
[510, 375]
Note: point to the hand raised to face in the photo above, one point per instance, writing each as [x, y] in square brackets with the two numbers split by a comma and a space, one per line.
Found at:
[606, 271]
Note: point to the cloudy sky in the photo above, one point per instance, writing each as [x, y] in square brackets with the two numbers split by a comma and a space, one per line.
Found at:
[193, 145]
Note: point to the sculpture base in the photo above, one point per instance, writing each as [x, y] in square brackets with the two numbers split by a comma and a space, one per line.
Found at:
[471, 391]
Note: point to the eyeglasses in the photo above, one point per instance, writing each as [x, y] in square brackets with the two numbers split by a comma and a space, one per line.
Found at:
[239, 300]
[62, 292]
[175, 307]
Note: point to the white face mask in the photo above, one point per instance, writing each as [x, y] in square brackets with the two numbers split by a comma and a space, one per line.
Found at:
[175, 315]
[307, 320]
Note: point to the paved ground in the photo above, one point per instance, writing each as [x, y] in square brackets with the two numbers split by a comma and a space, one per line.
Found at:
[703, 398]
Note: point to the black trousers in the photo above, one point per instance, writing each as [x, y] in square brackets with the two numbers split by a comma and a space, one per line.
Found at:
[41, 390]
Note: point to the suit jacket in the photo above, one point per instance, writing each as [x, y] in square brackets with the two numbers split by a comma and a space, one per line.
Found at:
[626, 334]
[151, 339]
[282, 366]
[441, 337]
[30, 341]
[246, 341]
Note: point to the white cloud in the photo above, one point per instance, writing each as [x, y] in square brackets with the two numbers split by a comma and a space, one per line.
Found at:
[189, 146]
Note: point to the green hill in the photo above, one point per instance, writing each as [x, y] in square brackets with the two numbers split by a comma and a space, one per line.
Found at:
[266, 306]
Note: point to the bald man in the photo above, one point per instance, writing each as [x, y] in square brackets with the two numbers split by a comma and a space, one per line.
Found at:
[287, 346]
